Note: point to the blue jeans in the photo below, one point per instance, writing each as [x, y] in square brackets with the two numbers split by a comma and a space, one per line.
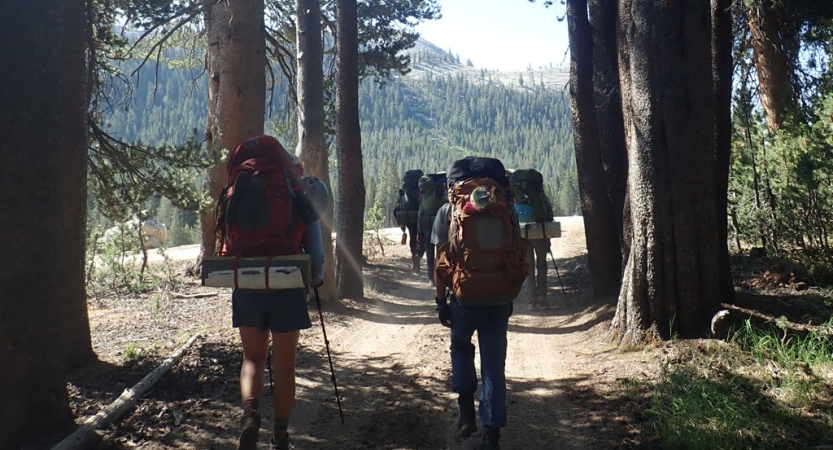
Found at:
[429, 253]
[491, 324]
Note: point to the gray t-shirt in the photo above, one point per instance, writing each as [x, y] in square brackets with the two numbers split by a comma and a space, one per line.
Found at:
[439, 232]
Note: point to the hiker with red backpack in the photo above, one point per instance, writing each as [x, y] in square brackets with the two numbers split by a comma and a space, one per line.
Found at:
[480, 268]
[269, 209]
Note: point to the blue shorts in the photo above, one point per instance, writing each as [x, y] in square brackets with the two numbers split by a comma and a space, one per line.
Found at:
[279, 311]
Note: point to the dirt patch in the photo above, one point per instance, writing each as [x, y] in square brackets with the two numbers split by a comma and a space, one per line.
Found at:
[565, 383]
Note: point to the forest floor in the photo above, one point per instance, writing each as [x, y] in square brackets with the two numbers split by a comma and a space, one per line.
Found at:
[568, 387]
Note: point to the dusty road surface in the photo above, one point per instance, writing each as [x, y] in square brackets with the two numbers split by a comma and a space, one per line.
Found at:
[392, 365]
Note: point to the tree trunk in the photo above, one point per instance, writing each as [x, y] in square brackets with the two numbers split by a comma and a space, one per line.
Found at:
[604, 258]
[351, 191]
[311, 143]
[42, 204]
[623, 23]
[236, 91]
[77, 348]
[670, 284]
[771, 64]
[721, 16]
[608, 98]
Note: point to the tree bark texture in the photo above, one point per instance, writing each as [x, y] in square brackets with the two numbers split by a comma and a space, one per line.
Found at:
[771, 64]
[77, 347]
[722, 67]
[623, 23]
[608, 95]
[351, 190]
[312, 148]
[42, 205]
[671, 284]
[236, 91]
[604, 258]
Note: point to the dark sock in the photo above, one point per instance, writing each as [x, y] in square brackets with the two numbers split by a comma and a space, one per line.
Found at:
[249, 405]
[280, 427]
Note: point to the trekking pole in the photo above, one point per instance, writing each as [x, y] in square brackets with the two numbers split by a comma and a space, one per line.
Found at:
[269, 367]
[558, 274]
[329, 357]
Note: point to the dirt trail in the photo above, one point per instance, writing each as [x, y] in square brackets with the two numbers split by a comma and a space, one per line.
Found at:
[393, 369]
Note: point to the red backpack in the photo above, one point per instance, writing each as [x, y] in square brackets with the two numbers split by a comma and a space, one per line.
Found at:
[257, 210]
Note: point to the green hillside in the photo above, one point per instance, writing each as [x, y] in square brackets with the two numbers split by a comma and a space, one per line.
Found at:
[424, 120]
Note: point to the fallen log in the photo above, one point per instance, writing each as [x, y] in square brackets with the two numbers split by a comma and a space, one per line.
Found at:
[824, 331]
[128, 398]
[199, 295]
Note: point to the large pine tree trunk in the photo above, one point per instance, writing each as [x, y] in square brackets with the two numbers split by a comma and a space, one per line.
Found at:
[670, 284]
[351, 191]
[236, 90]
[604, 257]
[722, 76]
[771, 63]
[43, 148]
[311, 139]
[608, 95]
[77, 348]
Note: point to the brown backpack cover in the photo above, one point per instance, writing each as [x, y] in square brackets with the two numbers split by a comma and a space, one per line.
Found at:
[484, 261]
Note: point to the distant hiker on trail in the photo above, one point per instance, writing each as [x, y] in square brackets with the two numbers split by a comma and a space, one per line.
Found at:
[533, 206]
[406, 213]
[481, 261]
[267, 210]
[432, 195]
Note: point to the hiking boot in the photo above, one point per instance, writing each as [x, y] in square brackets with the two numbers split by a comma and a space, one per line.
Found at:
[415, 261]
[249, 430]
[282, 444]
[466, 423]
[491, 436]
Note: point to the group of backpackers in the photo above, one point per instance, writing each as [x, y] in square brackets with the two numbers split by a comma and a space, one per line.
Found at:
[476, 215]
[470, 214]
[420, 197]
[423, 195]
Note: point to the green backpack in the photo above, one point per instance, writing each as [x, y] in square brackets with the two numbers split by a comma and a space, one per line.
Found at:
[528, 188]
[432, 196]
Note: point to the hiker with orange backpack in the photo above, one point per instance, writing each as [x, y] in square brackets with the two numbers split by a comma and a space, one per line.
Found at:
[480, 268]
[269, 209]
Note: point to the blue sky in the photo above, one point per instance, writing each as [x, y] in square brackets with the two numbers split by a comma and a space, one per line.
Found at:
[500, 34]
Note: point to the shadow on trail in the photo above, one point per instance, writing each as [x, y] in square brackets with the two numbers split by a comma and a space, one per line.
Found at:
[375, 309]
[568, 319]
[572, 414]
[386, 406]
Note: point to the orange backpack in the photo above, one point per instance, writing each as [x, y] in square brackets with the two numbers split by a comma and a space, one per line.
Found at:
[484, 262]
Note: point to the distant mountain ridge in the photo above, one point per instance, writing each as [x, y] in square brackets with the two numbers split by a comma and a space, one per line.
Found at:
[428, 58]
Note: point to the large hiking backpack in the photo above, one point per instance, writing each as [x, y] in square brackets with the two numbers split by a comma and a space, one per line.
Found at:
[261, 211]
[433, 194]
[528, 187]
[407, 207]
[484, 262]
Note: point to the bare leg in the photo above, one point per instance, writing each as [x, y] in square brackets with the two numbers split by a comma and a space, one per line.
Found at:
[255, 352]
[284, 350]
